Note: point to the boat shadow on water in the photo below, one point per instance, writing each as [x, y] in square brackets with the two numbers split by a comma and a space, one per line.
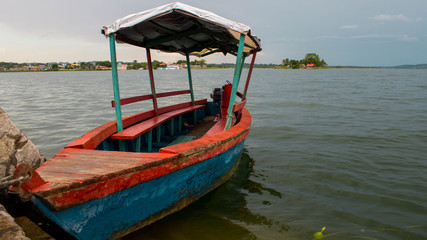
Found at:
[221, 214]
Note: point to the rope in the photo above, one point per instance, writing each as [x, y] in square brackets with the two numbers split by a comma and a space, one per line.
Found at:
[6, 182]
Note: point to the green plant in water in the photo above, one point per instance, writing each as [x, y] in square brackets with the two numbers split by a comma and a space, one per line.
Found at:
[319, 235]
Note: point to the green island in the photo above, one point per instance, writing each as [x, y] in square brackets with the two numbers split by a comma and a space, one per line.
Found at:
[311, 60]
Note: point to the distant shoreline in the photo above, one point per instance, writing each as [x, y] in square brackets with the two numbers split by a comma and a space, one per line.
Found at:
[261, 66]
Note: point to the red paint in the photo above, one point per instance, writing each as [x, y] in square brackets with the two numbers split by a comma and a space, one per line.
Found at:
[125, 101]
[249, 74]
[239, 106]
[24, 170]
[240, 95]
[175, 93]
[181, 105]
[226, 93]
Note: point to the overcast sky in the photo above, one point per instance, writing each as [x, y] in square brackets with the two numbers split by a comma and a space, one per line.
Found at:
[342, 32]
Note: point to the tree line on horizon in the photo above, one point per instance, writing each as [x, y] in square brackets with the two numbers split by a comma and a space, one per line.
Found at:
[103, 65]
[310, 58]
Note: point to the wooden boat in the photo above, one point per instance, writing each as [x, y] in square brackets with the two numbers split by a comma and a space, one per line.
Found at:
[135, 170]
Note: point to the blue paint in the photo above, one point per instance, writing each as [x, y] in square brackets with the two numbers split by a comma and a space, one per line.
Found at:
[100, 218]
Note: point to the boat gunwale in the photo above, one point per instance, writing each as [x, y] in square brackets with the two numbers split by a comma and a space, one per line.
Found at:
[179, 156]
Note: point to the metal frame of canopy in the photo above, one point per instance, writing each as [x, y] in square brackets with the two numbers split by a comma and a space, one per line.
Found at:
[224, 30]
[240, 59]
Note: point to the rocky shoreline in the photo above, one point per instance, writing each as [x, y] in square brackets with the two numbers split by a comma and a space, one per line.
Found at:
[15, 148]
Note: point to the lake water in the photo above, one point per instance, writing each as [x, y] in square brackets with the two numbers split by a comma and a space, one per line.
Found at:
[343, 149]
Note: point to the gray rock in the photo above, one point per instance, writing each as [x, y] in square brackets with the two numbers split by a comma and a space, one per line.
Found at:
[8, 227]
[15, 148]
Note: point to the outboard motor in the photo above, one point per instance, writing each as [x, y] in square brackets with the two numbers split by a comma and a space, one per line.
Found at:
[216, 96]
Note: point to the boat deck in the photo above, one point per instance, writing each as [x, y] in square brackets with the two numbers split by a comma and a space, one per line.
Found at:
[202, 127]
[81, 165]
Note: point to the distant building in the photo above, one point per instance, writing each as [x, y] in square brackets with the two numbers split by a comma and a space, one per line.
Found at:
[122, 66]
[102, 67]
[173, 67]
[310, 65]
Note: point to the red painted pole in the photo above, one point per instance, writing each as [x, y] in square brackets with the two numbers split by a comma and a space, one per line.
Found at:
[249, 74]
[153, 87]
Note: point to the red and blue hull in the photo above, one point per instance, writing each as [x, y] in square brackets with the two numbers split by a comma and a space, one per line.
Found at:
[125, 211]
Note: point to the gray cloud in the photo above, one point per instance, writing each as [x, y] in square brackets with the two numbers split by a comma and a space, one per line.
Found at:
[397, 17]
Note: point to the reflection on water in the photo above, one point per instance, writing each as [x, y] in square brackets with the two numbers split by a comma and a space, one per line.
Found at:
[221, 214]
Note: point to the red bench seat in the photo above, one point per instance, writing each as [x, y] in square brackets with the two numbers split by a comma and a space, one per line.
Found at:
[147, 125]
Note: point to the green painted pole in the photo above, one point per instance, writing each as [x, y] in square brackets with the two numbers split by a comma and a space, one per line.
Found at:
[190, 83]
[236, 79]
[116, 89]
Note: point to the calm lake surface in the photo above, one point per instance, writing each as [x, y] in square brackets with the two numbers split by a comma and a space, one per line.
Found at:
[342, 149]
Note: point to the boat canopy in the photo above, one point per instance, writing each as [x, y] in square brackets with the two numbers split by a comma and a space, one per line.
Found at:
[177, 27]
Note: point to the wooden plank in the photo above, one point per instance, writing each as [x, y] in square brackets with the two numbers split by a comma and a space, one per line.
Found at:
[125, 101]
[108, 154]
[218, 127]
[181, 105]
[71, 165]
[239, 106]
[53, 177]
[173, 93]
[130, 100]
[93, 138]
[140, 128]
[240, 95]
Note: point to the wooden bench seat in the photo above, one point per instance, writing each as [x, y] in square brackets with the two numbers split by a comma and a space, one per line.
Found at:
[147, 125]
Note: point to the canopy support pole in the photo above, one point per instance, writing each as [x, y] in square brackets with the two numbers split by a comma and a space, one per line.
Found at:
[153, 87]
[116, 89]
[190, 83]
[249, 74]
[237, 72]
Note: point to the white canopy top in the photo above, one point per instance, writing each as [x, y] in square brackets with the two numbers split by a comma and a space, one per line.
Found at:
[178, 27]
